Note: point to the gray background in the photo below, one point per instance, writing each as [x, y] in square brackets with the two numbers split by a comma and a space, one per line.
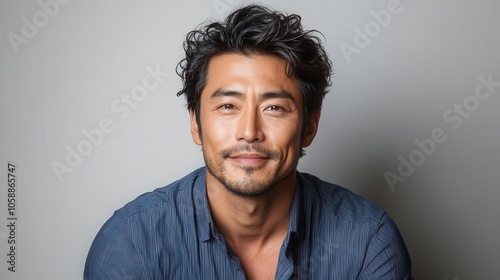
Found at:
[396, 88]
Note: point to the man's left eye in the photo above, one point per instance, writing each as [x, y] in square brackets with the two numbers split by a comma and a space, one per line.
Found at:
[275, 108]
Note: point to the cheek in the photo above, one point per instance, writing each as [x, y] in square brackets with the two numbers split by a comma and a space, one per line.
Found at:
[216, 132]
[285, 135]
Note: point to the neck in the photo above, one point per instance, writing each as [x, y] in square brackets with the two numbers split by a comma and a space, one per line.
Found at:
[256, 220]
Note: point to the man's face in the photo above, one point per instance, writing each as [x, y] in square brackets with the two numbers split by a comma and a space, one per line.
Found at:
[251, 114]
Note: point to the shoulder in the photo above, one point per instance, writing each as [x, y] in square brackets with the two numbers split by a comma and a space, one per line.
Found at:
[150, 210]
[122, 242]
[339, 202]
[360, 231]
[157, 199]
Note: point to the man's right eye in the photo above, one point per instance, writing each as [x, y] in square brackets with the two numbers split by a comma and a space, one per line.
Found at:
[227, 107]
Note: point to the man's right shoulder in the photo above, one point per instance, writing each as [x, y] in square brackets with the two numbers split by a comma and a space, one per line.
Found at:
[122, 247]
[174, 193]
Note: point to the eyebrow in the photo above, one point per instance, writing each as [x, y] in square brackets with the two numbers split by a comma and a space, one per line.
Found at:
[227, 93]
[267, 95]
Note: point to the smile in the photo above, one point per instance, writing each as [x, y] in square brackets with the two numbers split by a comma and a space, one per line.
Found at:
[249, 158]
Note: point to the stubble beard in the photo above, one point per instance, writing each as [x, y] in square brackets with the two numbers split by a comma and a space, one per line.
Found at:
[247, 186]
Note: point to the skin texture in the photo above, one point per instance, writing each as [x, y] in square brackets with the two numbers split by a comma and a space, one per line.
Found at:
[251, 116]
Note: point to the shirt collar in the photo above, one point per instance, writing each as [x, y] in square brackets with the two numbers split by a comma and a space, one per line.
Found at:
[202, 210]
[204, 217]
[297, 212]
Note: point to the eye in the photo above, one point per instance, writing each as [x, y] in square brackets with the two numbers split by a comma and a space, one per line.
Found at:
[227, 107]
[275, 108]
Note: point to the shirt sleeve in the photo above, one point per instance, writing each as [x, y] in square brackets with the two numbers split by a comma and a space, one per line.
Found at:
[113, 254]
[386, 256]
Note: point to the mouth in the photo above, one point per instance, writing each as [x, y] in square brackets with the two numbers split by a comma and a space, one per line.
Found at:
[249, 158]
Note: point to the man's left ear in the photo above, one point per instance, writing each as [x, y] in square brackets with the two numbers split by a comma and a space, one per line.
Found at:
[311, 129]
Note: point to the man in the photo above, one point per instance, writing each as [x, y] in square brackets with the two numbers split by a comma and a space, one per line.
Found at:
[254, 86]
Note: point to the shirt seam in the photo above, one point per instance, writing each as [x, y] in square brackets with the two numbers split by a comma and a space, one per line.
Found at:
[373, 234]
[165, 198]
[141, 263]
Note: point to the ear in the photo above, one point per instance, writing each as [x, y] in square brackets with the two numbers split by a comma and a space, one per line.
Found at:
[195, 132]
[311, 128]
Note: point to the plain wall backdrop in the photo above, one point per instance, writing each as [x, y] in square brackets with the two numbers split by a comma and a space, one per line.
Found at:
[90, 119]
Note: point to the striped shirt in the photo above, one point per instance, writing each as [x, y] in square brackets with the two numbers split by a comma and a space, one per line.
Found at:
[169, 234]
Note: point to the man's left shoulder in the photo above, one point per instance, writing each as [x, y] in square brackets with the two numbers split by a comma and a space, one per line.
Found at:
[341, 202]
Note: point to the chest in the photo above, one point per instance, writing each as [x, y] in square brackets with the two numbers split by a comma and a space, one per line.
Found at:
[262, 265]
[212, 260]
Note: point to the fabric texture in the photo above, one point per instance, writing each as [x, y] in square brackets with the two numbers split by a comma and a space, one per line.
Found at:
[169, 234]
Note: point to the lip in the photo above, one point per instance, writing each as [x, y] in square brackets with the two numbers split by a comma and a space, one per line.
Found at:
[249, 158]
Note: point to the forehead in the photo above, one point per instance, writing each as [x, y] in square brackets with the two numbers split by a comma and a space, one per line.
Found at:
[255, 74]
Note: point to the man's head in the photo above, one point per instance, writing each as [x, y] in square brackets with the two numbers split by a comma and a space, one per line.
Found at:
[254, 86]
[258, 30]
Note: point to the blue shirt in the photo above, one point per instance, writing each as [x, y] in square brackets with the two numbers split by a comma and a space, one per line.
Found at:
[169, 234]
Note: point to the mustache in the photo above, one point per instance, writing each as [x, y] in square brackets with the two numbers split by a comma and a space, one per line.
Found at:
[249, 148]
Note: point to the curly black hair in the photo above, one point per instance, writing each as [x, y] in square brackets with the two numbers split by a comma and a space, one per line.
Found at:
[257, 30]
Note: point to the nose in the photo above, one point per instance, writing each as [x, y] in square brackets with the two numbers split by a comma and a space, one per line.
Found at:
[249, 127]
